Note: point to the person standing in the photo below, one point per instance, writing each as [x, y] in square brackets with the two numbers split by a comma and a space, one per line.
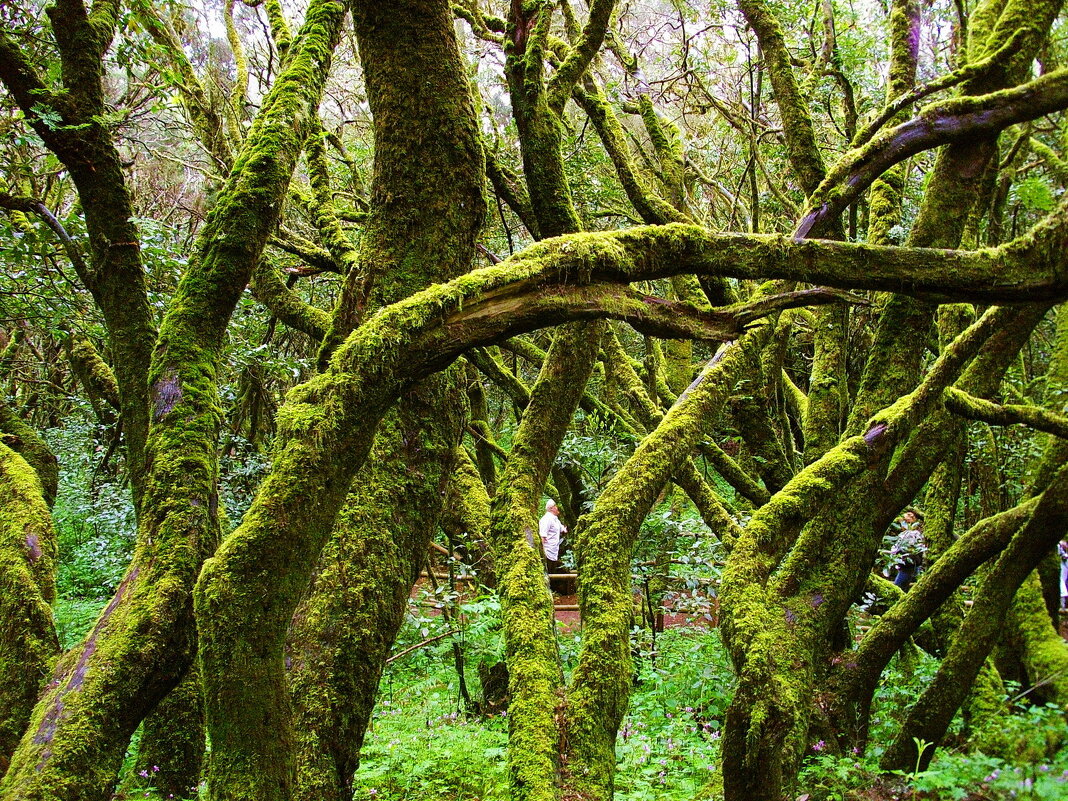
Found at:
[550, 528]
[1062, 552]
[909, 549]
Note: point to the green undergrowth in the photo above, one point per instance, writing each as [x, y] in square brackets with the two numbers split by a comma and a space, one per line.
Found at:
[669, 744]
[1031, 760]
[95, 526]
[423, 744]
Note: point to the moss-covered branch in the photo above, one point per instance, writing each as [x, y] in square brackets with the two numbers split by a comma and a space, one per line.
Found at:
[907, 95]
[652, 208]
[27, 443]
[859, 676]
[957, 120]
[774, 620]
[802, 150]
[1035, 417]
[600, 685]
[96, 377]
[929, 718]
[580, 55]
[509, 187]
[272, 291]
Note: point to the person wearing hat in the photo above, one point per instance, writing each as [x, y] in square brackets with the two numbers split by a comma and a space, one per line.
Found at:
[909, 549]
[550, 528]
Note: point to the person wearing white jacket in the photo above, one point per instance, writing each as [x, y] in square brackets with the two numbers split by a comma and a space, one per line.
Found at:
[550, 528]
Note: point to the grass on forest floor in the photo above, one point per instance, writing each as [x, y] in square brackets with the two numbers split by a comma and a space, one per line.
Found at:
[424, 747]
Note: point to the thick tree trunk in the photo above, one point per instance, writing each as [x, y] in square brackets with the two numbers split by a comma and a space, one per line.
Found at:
[427, 209]
[28, 643]
[343, 631]
[143, 642]
[171, 753]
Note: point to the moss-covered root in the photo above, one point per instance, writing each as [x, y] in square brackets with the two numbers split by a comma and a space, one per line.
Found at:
[28, 641]
[171, 752]
[28, 444]
[342, 632]
[929, 718]
[600, 686]
[535, 676]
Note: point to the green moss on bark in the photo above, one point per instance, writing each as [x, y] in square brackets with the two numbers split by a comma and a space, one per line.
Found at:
[28, 643]
[343, 631]
[171, 751]
[27, 443]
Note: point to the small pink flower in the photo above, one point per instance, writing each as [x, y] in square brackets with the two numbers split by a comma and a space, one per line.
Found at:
[819, 746]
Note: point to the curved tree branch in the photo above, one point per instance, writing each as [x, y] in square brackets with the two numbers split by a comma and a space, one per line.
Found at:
[965, 405]
[955, 120]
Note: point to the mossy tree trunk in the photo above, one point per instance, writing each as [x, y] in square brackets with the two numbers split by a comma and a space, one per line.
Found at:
[342, 632]
[28, 552]
[427, 209]
[83, 143]
[143, 641]
[171, 750]
[1043, 652]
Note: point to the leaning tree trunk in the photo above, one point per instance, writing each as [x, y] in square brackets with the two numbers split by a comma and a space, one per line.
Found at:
[342, 633]
[930, 717]
[143, 641]
[28, 643]
[427, 210]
